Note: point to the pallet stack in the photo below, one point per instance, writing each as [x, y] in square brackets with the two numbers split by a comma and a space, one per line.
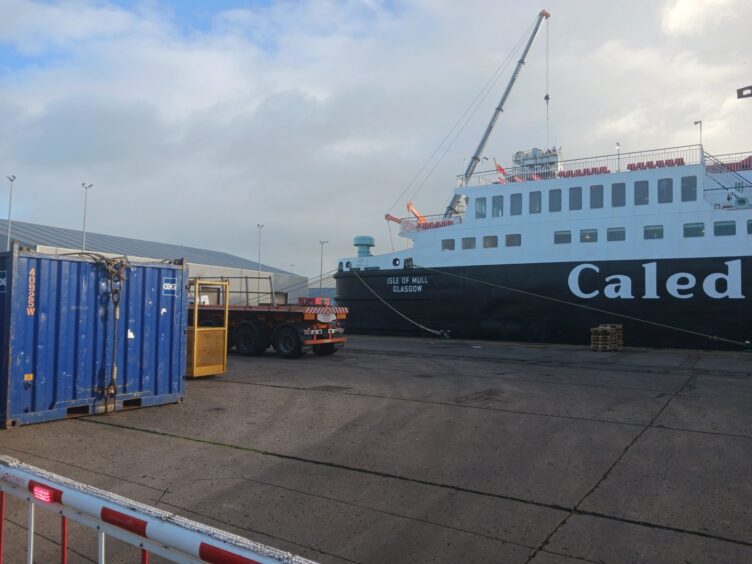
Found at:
[607, 337]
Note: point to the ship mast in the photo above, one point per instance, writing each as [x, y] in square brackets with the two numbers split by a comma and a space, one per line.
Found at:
[500, 108]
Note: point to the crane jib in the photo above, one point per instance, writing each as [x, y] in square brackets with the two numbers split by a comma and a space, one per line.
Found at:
[543, 15]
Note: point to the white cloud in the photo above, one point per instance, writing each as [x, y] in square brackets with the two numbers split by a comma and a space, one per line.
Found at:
[682, 17]
[311, 117]
[36, 27]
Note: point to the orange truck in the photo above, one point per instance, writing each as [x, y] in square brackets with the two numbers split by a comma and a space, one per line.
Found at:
[290, 329]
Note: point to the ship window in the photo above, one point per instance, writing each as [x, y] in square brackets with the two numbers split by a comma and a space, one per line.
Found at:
[497, 206]
[515, 203]
[653, 232]
[514, 240]
[689, 188]
[490, 241]
[480, 208]
[562, 237]
[575, 198]
[554, 200]
[618, 195]
[535, 202]
[694, 229]
[596, 196]
[665, 190]
[749, 227]
[722, 228]
[641, 194]
[447, 244]
[588, 235]
[468, 243]
[616, 234]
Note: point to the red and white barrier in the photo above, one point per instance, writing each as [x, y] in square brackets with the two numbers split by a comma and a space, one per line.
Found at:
[148, 528]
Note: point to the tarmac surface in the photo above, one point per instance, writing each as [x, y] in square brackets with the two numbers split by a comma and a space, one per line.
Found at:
[419, 450]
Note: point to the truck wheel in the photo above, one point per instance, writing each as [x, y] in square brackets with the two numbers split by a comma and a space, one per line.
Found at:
[324, 350]
[249, 339]
[287, 342]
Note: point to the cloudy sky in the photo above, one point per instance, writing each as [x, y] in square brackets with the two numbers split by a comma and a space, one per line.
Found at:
[196, 120]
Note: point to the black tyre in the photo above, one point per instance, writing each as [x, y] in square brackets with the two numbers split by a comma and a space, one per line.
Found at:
[287, 342]
[324, 350]
[249, 339]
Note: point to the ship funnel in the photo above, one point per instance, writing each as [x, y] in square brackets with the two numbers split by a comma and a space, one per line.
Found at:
[364, 243]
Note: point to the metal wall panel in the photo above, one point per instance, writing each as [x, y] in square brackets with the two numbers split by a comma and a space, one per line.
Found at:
[60, 342]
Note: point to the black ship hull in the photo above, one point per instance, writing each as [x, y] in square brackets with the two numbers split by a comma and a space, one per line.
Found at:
[677, 303]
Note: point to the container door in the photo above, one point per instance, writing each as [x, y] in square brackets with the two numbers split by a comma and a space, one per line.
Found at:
[59, 338]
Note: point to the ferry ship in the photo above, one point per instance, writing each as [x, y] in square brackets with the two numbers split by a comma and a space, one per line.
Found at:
[659, 241]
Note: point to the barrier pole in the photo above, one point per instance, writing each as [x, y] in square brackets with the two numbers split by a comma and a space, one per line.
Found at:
[63, 540]
[30, 541]
[144, 556]
[2, 523]
[100, 548]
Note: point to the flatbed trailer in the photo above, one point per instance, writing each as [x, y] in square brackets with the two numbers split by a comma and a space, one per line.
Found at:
[290, 329]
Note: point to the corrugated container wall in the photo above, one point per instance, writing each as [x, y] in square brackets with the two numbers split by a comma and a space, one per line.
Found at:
[64, 353]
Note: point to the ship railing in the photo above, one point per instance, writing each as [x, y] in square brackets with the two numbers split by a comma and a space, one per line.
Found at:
[603, 164]
[410, 224]
[734, 161]
[725, 187]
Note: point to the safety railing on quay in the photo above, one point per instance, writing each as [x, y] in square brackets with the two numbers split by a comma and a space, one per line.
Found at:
[241, 290]
[148, 529]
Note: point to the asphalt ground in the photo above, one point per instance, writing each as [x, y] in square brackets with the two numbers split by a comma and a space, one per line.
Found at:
[418, 450]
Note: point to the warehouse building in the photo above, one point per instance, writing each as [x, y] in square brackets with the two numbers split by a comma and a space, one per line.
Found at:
[249, 283]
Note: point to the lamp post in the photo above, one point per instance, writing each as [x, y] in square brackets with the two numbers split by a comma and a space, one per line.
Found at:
[258, 264]
[11, 178]
[618, 157]
[699, 122]
[321, 270]
[86, 188]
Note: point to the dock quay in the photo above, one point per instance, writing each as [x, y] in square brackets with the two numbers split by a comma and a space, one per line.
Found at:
[431, 450]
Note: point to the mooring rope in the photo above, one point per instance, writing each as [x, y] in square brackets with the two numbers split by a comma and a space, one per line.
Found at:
[591, 308]
[439, 333]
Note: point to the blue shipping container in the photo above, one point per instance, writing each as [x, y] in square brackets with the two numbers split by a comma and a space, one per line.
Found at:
[64, 352]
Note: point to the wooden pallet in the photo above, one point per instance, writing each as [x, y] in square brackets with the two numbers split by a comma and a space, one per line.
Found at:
[607, 337]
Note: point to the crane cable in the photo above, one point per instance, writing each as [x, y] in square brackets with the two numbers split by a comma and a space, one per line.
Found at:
[470, 109]
[547, 98]
[591, 308]
[480, 99]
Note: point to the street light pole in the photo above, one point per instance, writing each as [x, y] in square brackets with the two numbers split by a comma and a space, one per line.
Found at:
[258, 264]
[11, 178]
[321, 271]
[86, 188]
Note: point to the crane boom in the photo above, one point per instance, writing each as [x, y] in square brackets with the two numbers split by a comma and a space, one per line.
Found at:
[543, 15]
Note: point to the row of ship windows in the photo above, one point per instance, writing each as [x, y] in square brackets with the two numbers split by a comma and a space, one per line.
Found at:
[641, 197]
[720, 229]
